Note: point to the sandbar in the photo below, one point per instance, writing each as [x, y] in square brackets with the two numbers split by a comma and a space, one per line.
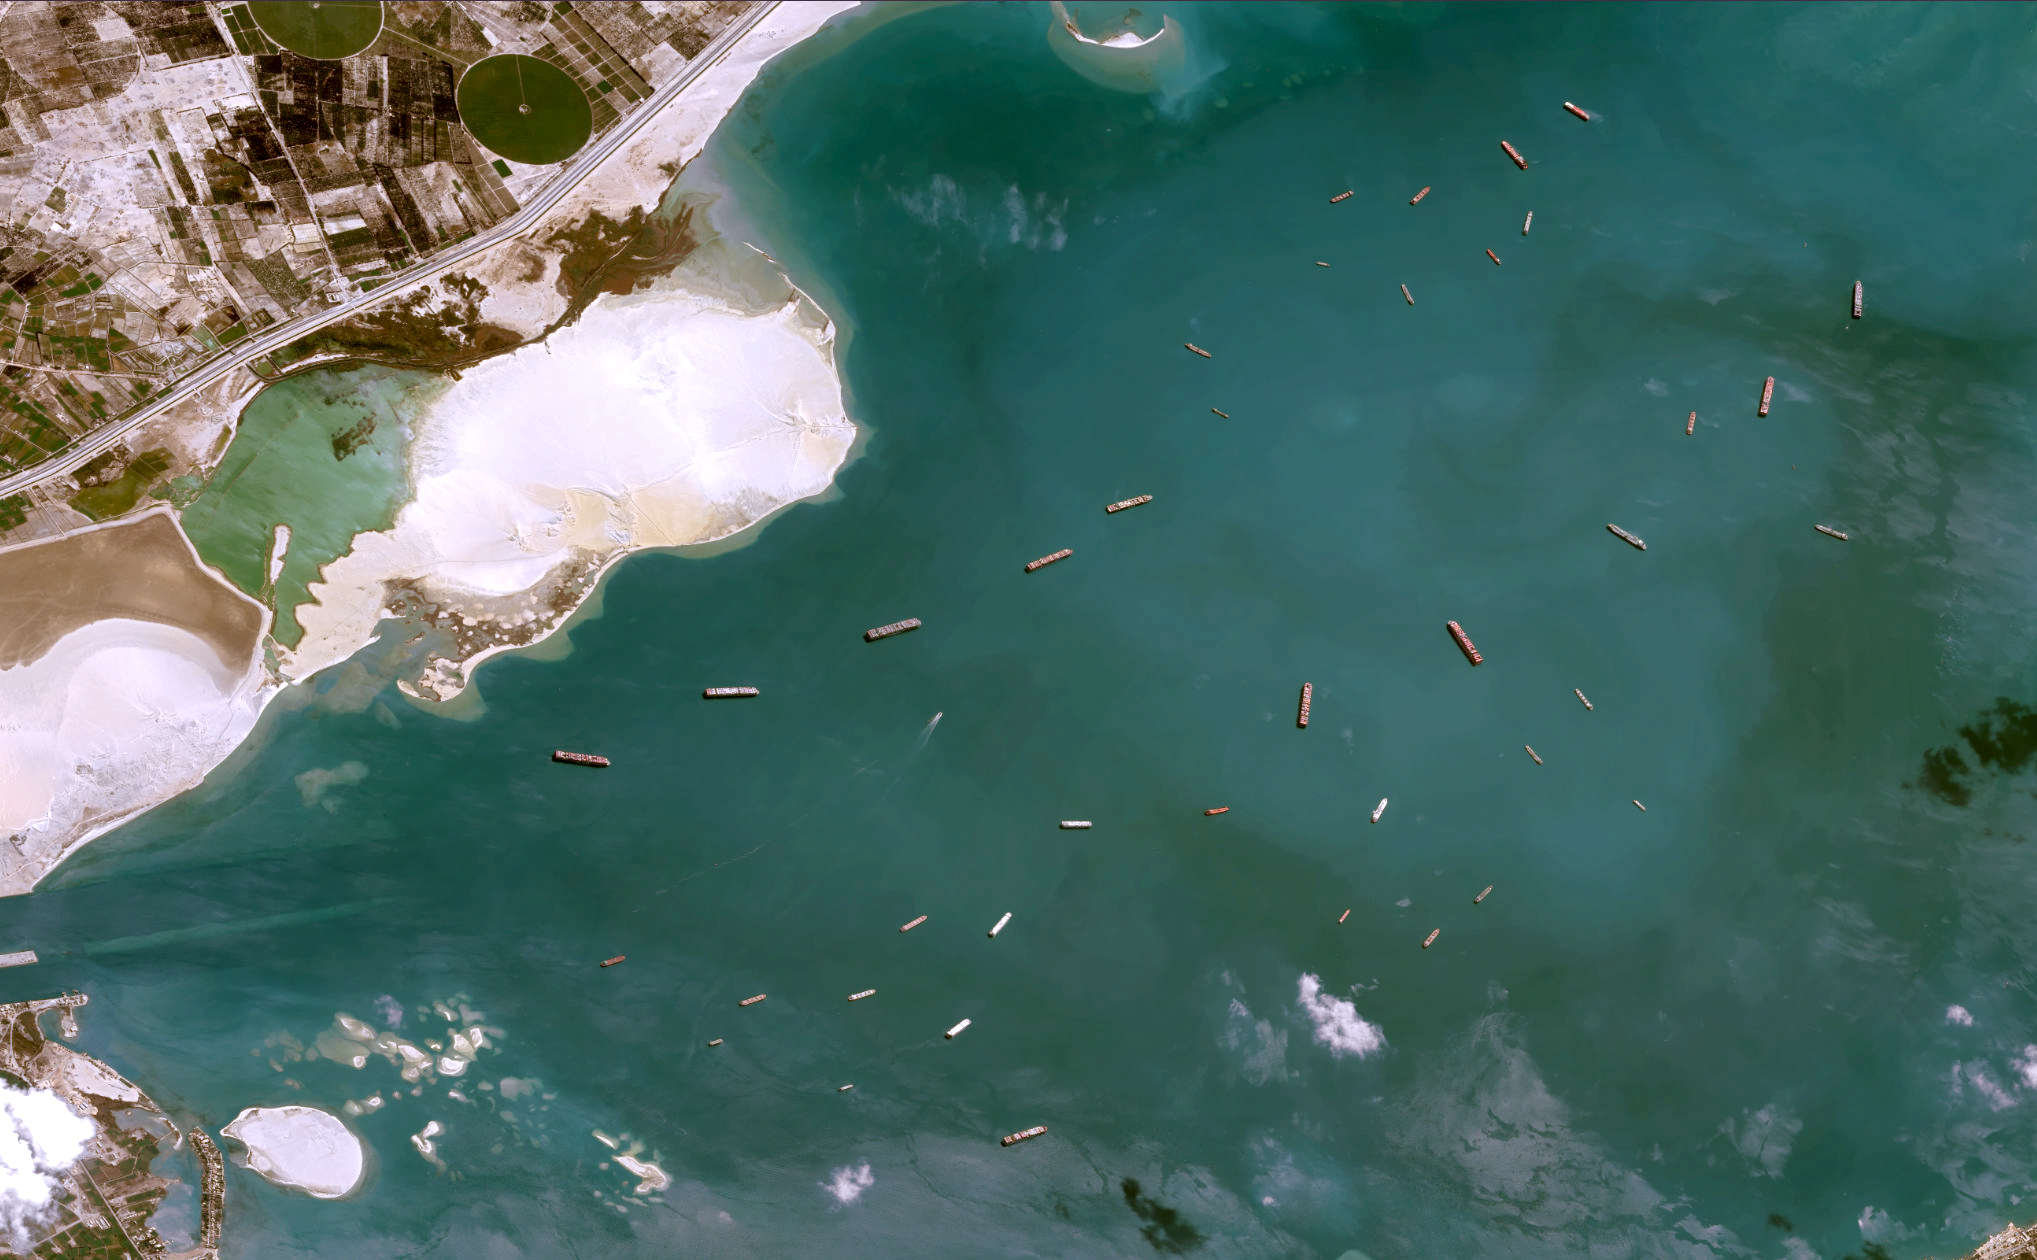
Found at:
[301, 1147]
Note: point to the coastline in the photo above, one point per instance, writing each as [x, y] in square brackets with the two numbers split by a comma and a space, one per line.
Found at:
[594, 525]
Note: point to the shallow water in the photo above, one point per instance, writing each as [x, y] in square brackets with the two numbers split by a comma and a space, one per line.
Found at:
[1724, 1025]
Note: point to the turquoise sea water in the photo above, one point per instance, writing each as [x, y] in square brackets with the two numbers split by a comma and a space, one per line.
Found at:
[1784, 1012]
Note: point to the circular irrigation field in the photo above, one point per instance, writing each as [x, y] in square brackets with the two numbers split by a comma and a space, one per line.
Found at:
[324, 29]
[527, 110]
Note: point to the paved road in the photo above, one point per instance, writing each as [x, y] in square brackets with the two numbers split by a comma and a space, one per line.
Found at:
[584, 163]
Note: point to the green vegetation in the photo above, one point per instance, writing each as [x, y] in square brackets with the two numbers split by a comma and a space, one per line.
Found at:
[525, 109]
[324, 29]
[501, 167]
[13, 511]
[123, 492]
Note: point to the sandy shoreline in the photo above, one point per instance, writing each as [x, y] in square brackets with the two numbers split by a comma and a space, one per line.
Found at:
[723, 408]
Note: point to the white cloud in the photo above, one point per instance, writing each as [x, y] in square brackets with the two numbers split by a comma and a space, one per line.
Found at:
[1657, 387]
[40, 1137]
[1877, 1226]
[1959, 1015]
[1764, 1137]
[2026, 1066]
[1261, 1048]
[1338, 1024]
[850, 1182]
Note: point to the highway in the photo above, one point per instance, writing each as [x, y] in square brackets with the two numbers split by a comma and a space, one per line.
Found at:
[582, 165]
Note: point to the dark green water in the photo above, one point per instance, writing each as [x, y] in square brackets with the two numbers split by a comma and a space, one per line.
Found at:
[1719, 1027]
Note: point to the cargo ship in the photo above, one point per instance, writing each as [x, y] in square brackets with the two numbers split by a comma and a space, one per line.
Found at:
[1044, 561]
[1013, 1139]
[1190, 345]
[1515, 154]
[1430, 939]
[907, 927]
[1493, 256]
[1075, 824]
[1767, 396]
[728, 693]
[751, 1001]
[1576, 111]
[1341, 196]
[1417, 198]
[1856, 299]
[1212, 813]
[1308, 691]
[1828, 531]
[610, 962]
[578, 759]
[1379, 810]
[1133, 502]
[896, 627]
[1483, 893]
[1464, 643]
[1626, 537]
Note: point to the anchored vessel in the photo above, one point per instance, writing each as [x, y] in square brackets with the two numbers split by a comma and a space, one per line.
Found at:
[1527, 223]
[1379, 809]
[1343, 916]
[1856, 299]
[1575, 110]
[956, 1031]
[1627, 538]
[1308, 691]
[1430, 939]
[1418, 196]
[751, 1001]
[1464, 643]
[610, 962]
[1132, 502]
[729, 693]
[857, 997]
[1533, 753]
[896, 627]
[1643, 808]
[1409, 296]
[1828, 530]
[1767, 396]
[579, 759]
[843, 1089]
[1340, 196]
[1212, 813]
[1225, 414]
[1013, 1139]
[717, 1041]
[999, 927]
[1197, 349]
[1690, 425]
[1581, 700]
[1494, 257]
[1322, 264]
[1515, 154]
[907, 927]
[1483, 893]
[1044, 561]
[1075, 824]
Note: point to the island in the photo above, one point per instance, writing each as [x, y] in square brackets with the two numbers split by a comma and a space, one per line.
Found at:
[301, 1147]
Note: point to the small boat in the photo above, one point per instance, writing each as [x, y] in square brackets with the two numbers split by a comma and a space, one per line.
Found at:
[1829, 532]
[1044, 561]
[1626, 537]
[1340, 196]
[843, 1089]
[1576, 111]
[1308, 691]
[1483, 893]
[1430, 939]
[1379, 809]
[1417, 198]
[1075, 824]
[1132, 502]
[1409, 296]
[610, 962]
[1515, 154]
[999, 927]
[1225, 414]
[1493, 256]
[717, 1041]
[1533, 753]
[1581, 700]
[1690, 425]
[579, 759]
[915, 923]
[1190, 345]
[1013, 1139]
[857, 997]
[956, 1031]
[896, 627]
[1857, 294]
[1343, 916]
[1767, 396]
[1527, 223]
[751, 1001]
[1322, 264]
[1464, 643]
[1212, 813]
[729, 693]
[1643, 808]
